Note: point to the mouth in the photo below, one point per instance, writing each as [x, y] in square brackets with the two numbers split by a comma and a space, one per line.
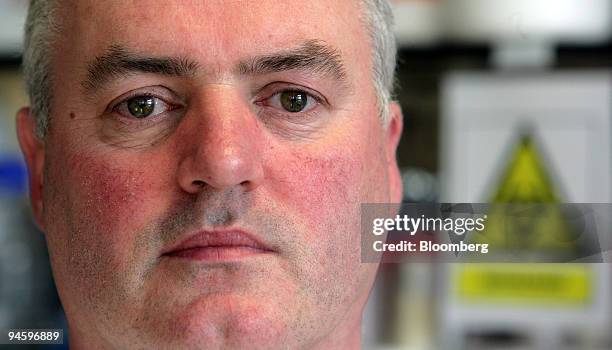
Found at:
[217, 246]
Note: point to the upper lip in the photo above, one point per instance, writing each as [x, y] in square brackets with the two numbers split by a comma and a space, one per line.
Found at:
[217, 238]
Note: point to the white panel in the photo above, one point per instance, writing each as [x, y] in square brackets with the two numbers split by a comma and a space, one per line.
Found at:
[520, 20]
[12, 18]
[568, 113]
[418, 22]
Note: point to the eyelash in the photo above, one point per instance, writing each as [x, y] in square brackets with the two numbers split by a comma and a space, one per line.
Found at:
[263, 102]
[159, 102]
[312, 96]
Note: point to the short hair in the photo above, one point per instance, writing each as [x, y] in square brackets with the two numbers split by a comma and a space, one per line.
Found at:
[379, 23]
[42, 28]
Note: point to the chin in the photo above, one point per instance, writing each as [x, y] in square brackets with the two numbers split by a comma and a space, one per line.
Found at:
[227, 322]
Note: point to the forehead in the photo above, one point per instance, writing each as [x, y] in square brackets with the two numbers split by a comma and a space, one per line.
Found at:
[216, 32]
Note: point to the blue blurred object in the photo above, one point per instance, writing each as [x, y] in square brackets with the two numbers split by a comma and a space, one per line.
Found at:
[13, 175]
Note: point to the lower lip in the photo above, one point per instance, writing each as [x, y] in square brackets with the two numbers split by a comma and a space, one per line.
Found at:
[217, 254]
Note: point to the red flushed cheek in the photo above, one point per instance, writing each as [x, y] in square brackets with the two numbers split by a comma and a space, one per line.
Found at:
[109, 197]
[319, 188]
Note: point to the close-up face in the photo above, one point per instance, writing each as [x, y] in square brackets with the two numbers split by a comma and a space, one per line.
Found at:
[200, 181]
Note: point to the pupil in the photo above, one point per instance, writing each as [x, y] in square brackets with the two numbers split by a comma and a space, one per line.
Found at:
[294, 101]
[142, 106]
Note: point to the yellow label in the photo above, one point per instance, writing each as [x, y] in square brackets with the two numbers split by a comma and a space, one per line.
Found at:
[541, 284]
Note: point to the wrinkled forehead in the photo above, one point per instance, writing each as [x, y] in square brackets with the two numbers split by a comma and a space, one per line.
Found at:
[217, 32]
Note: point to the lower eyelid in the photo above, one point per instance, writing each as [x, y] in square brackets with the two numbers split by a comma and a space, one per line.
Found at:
[132, 125]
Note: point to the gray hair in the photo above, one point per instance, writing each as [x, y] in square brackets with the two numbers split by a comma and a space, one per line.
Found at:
[379, 21]
[41, 28]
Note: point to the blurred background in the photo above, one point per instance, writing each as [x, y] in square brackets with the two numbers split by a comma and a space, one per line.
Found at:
[498, 96]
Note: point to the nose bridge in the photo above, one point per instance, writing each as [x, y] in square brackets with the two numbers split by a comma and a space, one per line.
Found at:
[223, 119]
[223, 140]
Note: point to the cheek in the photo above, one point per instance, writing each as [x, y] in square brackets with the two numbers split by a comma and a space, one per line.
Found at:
[325, 193]
[100, 206]
[106, 201]
[108, 196]
[331, 185]
[318, 188]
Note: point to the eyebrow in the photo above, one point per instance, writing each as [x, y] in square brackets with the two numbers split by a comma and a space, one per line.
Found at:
[118, 61]
[314, 55]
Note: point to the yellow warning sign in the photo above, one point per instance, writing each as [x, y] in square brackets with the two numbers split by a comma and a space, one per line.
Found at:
[541, 284]
[523, 227]
[534, 222]
[526, 179]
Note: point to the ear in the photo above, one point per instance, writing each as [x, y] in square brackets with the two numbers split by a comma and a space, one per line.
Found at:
[33, 150]
[394, 133]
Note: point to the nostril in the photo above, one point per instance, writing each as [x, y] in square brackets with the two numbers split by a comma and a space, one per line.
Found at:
[199, 183]
[249, 185]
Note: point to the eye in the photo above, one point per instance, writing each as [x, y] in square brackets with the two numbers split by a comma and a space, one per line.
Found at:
[142, 106]
[293, 101]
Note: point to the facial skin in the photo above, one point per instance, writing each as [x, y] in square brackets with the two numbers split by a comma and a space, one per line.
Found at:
[113, 192]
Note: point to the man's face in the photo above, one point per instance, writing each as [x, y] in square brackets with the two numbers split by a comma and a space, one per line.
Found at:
[248, 132]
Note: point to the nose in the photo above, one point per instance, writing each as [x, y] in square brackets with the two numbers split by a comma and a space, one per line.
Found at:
[222, 144]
